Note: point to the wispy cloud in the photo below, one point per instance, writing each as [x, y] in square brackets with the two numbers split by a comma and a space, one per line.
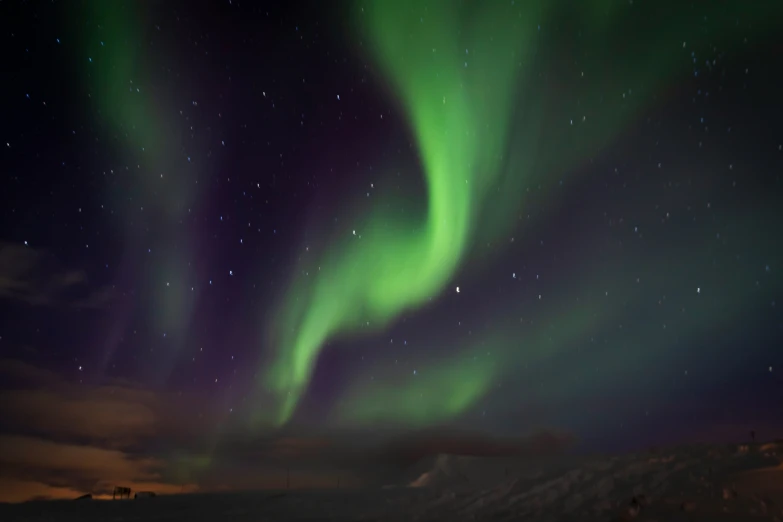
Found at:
[36, 278]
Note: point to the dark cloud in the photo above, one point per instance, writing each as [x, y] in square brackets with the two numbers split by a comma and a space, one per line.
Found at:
[36, 278]
[112, 413]
[459, 442]
[402, 457]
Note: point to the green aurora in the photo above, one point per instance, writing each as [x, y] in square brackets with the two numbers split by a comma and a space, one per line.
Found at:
[598, 302]
[481, 85]
[120, 84]
[498, 96]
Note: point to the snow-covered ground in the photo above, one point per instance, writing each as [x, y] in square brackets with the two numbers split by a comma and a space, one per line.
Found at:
[698, 483]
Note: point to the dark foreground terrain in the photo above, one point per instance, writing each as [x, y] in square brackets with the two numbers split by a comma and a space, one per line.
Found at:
[728, 483]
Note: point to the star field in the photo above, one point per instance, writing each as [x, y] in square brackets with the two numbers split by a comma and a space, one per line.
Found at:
[376, 217]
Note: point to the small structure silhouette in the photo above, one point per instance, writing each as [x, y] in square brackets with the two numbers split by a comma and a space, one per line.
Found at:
[752, 435]
[144, 494]
[88, 496]
[634, 507]
[121, 491]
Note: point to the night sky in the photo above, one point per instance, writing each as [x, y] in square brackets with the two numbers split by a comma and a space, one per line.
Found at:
[240, 238]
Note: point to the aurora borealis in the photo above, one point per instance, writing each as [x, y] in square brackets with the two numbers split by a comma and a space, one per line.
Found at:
[460, 125]
[460, 116]
[309, 225]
